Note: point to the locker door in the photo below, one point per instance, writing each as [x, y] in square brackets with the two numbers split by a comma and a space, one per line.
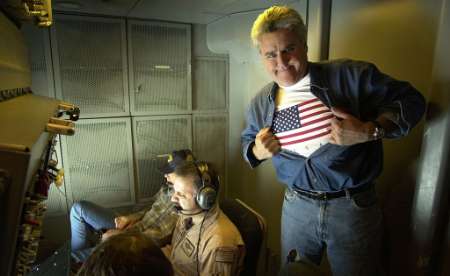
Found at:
[160, 62]
[98, 162]
[89, 55]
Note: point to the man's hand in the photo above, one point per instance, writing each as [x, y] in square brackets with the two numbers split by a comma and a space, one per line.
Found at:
[124, 222]
[266, 144]
[349, 130]
[110, 233]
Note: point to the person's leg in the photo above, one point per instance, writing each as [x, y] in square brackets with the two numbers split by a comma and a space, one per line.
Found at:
[354, 235]
[301, 267]
[85, 219]
[80, 256]
[300, 228]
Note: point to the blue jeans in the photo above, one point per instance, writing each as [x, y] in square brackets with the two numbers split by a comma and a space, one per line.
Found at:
[87, 220]
[349, 229]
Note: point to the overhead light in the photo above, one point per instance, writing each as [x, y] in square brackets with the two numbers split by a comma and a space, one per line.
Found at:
[163, 67]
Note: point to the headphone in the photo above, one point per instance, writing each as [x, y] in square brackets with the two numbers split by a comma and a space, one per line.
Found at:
[207, 193]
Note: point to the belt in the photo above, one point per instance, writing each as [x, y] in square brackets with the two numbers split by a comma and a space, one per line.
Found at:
[332, 195]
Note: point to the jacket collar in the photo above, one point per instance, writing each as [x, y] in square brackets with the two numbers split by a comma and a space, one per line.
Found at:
[211, 216]
[272, 92]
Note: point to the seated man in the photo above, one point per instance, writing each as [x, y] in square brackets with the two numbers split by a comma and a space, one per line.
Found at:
[205, 241]
[129, 253]
[88, 220]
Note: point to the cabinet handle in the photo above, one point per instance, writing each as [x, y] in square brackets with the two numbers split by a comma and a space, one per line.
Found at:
[60, 129]
[138, 88]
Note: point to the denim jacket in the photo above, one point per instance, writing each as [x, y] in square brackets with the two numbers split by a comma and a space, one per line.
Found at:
[360, 89]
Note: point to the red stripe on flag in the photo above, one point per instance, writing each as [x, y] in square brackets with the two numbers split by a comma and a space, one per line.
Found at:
[303, 132]
[313, 114]
[308, 102]
[318, 120]
[311, 107]
[306, 139]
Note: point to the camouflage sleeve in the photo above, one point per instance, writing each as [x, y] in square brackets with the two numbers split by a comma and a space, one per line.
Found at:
[154, 215]
[223, 261]
[162, 235]
[137, 216]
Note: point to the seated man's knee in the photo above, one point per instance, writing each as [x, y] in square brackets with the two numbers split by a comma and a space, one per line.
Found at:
[77, 208]
[301, 267]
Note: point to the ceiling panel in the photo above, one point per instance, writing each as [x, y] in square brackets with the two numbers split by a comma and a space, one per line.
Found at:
[103, 7]
[188, 11]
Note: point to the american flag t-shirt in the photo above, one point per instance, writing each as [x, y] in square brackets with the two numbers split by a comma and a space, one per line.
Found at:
[304, 126]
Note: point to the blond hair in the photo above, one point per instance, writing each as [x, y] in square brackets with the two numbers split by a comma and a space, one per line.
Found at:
[275, 18]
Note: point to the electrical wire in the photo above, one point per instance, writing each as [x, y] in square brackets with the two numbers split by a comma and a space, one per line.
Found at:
[198, 242]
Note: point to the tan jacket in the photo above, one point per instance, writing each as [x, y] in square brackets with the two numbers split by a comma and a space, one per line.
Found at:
[221, 248]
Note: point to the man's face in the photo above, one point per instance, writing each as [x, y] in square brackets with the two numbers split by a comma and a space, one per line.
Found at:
[169, 177]
[169, 183]
[284, 56]
[184, 194]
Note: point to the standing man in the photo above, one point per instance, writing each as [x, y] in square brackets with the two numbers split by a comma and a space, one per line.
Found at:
[205, 241]
[322, 124]
[88, 220]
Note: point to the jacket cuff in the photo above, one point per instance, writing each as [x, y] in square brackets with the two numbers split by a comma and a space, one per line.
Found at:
[250, 157]
[394, 114]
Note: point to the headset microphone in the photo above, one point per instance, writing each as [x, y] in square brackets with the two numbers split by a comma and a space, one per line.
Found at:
[178, 208]
[188, 223]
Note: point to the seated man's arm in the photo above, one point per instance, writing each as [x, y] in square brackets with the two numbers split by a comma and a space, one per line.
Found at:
[158, 224]
[153, 214]
[124, 222]
[223, 261]
[160, 233]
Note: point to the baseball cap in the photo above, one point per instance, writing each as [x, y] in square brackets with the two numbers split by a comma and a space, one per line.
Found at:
[176, 158]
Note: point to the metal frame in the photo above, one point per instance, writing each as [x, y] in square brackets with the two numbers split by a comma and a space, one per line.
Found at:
[132, 90]
[57, 69]
[63, 195]
[430, 234]
[227, 80]
[318, 20]
[130, 160]
[262, 256]
[44, 36]
[48, 61]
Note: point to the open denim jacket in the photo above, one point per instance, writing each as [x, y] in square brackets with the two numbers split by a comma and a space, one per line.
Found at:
[360, 89]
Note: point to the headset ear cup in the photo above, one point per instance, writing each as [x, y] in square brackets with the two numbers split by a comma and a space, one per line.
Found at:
[207, 194]
[206, 197]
